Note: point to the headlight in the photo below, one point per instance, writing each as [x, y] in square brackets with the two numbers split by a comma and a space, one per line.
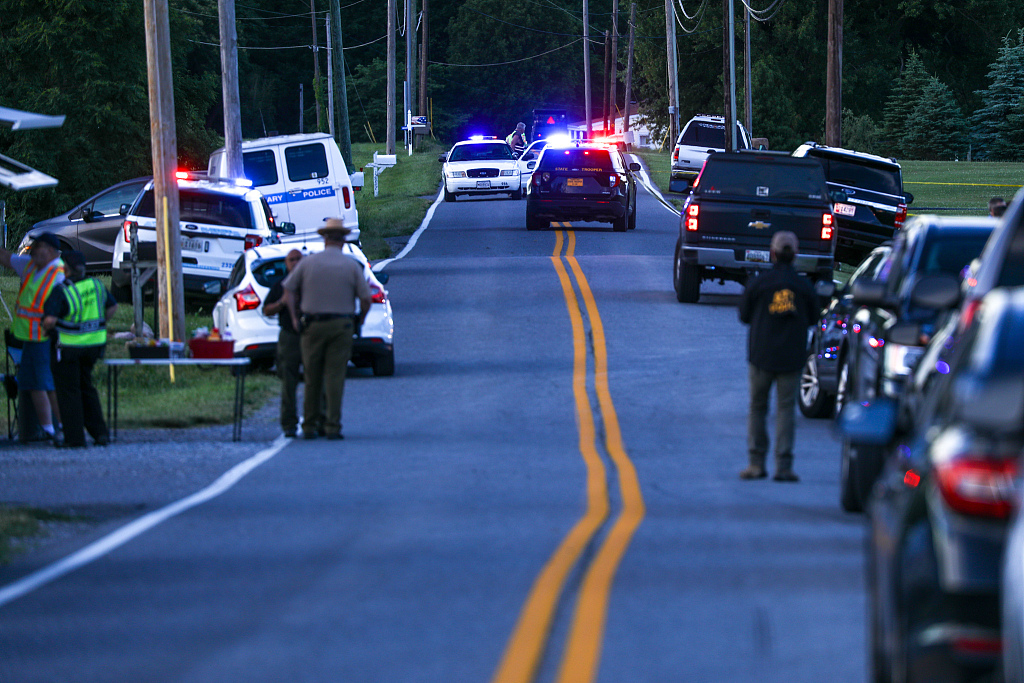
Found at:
[456, 174]
[509, 172]
[899, 360]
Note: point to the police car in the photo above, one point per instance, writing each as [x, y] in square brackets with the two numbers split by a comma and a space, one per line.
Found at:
[480, 166]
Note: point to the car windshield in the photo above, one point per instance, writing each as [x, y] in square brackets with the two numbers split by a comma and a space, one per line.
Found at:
[204, 207]
[482, 152]
[874, 178]
[766, 180]
[952, 254]
[576, 159]
[706, 134]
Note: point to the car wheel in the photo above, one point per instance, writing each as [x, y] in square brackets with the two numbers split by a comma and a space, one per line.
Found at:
[384, 366]
[632, 219]
[535, 223]
[848, 498]
[842, 386]
[449, 196]
[620, 224]
[518, 194]
[686, 279]
[814, 401]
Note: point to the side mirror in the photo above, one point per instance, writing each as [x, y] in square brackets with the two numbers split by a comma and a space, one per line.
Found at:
[442, 158]
[528, 156]
[908, 198]
[869, 293]
[286, 228]
[382, 277]
[88, 215]
[839, 196]
[936, 292]
[124, 209]
[635, 166]
[873, 424]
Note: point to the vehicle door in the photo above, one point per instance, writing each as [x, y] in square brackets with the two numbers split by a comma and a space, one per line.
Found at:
[99, 222]
[310, 184]
[263, 168]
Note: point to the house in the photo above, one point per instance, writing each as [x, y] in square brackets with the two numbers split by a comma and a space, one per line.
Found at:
[642, 136]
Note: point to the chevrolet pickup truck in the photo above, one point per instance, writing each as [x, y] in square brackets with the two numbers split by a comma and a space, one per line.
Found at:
[739, 200]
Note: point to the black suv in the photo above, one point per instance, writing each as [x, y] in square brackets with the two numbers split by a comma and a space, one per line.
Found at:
[895, 319]
[582, 182]
[876, 204]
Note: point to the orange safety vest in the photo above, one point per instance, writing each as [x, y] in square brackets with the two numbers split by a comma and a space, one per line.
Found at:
[28, 323]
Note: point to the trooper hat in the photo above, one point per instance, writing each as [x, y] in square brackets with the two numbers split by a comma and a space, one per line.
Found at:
[46, 238]
[334, 226]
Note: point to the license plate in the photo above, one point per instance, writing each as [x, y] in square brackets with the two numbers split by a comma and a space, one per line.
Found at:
[844, 209]
[483, 184]
[758, 256]
[574, 182]
[191, 244]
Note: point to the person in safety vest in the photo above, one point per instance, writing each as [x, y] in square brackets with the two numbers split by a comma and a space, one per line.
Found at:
[79, 309]
[517, 139]
[40, 272]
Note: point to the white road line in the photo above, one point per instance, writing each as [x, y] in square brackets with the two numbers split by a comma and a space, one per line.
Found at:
[126, 533]
[377, 267]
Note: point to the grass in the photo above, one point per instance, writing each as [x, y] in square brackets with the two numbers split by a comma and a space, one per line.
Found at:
[19, 524]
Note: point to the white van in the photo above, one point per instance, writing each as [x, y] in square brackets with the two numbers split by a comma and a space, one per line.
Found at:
[303, 177]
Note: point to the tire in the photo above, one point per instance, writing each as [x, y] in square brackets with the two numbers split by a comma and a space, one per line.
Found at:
[449, 196]
[842, 385]
[384, 366]
[814, 401]
[632, 219]
[534, 223]
[518, 194]
[869, 465]
[620, 224]
[685, 279]
[848, 499]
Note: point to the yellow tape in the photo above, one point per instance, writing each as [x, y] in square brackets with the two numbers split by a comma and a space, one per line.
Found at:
[170, 299]
[914, 182]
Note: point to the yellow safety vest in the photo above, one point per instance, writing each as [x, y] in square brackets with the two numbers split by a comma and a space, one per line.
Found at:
[85, 323]
[28, 322]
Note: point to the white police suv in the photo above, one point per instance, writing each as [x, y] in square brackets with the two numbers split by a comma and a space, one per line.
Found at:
[479, 166]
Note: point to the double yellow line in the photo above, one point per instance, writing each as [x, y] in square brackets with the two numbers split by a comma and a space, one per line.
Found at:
[582, 652]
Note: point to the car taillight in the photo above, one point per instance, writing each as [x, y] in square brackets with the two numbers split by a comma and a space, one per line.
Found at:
[613, 180]
[252, 241]
[692, 212]
[379, 296]
[967, 313]
[247, 299]
[347, 197]
[982, 487]
[127, 226]
[901, 215]
[826, 226]
[675, 154]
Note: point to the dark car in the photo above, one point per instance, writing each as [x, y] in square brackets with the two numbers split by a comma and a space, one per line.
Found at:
[938, 514]
[582, 182]
[92, 226]
[930, 253]
[1002, 262]
[876, 204]
[820, 382]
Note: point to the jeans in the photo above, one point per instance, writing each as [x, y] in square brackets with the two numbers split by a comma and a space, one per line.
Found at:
[786, 385]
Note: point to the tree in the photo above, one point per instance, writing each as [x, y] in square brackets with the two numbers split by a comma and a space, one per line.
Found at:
[901, 103]
[996, 135]
[936, 129]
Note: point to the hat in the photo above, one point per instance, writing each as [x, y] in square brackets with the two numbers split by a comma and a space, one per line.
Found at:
[73, 259]
[333, 226]
[783, 239]
[46, 238]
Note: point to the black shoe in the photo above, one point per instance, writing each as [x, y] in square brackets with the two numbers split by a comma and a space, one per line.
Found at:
[309, 436]
[335, 437]
[786, 475]
[290, 433]
[102, 441]
[753, 472]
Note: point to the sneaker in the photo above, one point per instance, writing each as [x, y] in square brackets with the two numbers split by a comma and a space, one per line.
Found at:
[786, 475]
[102, 441]
[753, 472]
[58, 438]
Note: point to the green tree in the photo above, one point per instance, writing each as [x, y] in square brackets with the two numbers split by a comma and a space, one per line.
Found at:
[996, 135]
[860, 132]
[936, 129]
[901, 103]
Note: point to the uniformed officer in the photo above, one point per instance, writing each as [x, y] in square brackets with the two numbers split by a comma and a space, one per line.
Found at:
[328, 283]
[779, 305]
[289, 348]
[79, 309]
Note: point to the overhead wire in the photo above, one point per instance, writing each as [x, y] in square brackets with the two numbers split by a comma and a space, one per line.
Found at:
[513, 61]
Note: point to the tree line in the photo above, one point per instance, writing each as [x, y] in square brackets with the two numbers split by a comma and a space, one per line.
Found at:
[928, 79]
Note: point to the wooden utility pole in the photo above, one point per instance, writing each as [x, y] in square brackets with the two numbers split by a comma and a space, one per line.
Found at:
[729, 75]
[629, 71]
[673, 83]
[422, 99]
[606, 91]
[586, 65]
[229, 90]
[390, 146]
[343, 133]
[302, 107]
[613, 97]
[834, 80]
[165, 185]
[410, 69]
[748, 92]
[316, 63]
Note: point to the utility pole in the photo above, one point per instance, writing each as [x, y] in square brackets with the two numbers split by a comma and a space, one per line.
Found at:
[316, 64]
[422, 108]
[673, 85]
[229, 89]
[729, 74]
[613, 97]
[390, 147]
[164, 144]
[834, 79]
[586, 64]
[343, 132]
[407, 87]
[330, 80]
[302, 107]
[629, 73]
[748, 91]
[606, 91]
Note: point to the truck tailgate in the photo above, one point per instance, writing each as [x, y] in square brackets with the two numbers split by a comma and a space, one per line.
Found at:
[721, 222]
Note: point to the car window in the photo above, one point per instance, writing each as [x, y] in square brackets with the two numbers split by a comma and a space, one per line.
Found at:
[1012, 272]
[237, 273]
[109, 204]
[576, 159]
[874, 178]
[306, 162]
[269, 272]
[267, 213]
[260, 167]
[951, 254]
[706, 134]
[481, 152]
[795, 181]
[869, 267]
[204, 207]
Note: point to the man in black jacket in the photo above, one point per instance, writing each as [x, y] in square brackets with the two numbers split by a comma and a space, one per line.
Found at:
[779, 306]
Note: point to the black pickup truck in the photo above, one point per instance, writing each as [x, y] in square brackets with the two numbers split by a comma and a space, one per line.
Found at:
[737, 203]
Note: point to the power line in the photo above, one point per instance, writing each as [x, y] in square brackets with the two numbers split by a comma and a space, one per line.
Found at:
[288, 47]
[514, 61]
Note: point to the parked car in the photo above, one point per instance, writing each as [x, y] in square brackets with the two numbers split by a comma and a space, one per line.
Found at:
[938, 514]
[219, 219]
[480, 166]
[876, 204]
[240, 310]
[528, 161]
[1002, 262]
[930, 252]
[702, 135]
[587, 182]
[821, 387]
[92, 226]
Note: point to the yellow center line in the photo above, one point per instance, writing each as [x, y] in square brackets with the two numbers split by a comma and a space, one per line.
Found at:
[526, 646]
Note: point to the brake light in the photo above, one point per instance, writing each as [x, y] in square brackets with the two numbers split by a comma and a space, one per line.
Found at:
[982, 487]
[127, 227]
[826, 226]
[247, 299]
[379, 296]
[901, 215]
[181, 175]
[675, 154]
[692, 212]
[347, 197]
[970, 309]
[252, 241]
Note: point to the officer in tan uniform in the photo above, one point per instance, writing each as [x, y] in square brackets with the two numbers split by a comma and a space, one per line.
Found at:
[328, 283]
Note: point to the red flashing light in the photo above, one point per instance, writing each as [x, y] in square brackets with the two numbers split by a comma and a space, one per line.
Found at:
[247, 299]
[613, 180]
[901, 215]
[551, 119]
[970, 309]
[911, 478]
[692, 214]
[181, 175]
[981, 487]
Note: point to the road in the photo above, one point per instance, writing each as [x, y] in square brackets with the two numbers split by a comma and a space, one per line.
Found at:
[545, 491]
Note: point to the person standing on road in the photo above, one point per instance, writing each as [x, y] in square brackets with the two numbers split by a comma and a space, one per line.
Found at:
[328, 284]
[517, 139]
[779, 306]
[79, 309]
[996, 207]
[40, 272]
[289, 350]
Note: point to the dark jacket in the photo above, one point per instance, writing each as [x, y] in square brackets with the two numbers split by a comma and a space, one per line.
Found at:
[779, 305]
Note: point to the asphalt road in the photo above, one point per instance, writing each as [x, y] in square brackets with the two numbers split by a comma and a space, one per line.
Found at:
[546, 490]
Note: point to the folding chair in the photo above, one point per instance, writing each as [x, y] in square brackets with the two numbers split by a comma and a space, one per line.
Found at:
[10, 380]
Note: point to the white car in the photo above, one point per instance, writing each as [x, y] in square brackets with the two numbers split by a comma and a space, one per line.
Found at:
[240, 311]
[701, 136]
[528, 161]
[480, 166]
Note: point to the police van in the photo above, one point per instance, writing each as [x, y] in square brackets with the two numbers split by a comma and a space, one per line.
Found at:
[303, 178]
